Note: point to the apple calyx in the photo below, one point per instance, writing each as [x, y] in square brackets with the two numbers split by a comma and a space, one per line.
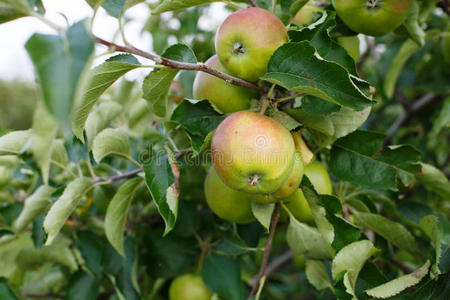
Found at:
[254, 179]
[238, 48]
[373, 4]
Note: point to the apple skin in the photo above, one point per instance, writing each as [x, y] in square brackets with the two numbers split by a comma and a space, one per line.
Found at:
[351, 45]
[375, 19]
[189, 287]
[226, 97]
[299, 207]
[289, 186]
[252, 153]
[306, 13]
[226, 203]
[247, 39]
[319, 177]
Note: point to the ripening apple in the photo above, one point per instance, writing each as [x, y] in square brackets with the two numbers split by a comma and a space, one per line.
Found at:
[228, 204]
[289, 186]
[226, 97]
[306, 13]
[189, 287]
[252, 153]
[247, 39]
[319, 177]
[372, 17]
[351, 45]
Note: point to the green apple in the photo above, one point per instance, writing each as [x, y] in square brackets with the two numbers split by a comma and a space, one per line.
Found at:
[228, 204]
[298, 206]
[351, 45]
[319, 177]
[289, 186]
[226, 97]
[252, 153]
[306, 13]
[372, 17]
[189, 287]
[247, 39]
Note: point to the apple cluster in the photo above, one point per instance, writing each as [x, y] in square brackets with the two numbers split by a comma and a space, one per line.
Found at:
[254, 157]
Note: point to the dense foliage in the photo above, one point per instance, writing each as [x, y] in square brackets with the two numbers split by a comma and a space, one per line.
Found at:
[103, 196]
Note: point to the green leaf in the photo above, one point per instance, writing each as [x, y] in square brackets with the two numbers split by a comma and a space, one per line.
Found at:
[59, 62]
[394, 232]
[296, 6]
[285, 119]
[111, 142]
[114, 7]
[317, 106]
[295, 67]
[36, 204]
[156, 85]
[171, 5]
[318, 34]
[43, 134]
[443, 120]
[82, 285]
[5, 292]
[319, 213]
[102, 77]
[303, 239]
[317, 274]
[59, 153]
[59, 252]
[100, 118]
[400, 284]
[14, 9]
[319, 123]
[161, 183]
[408, 48]
[434, 180]
[263, 213]
[95, 3]
[198, 118]
[430, 225]
[222, 275]
[356, 158]
[93, 250]
[350, 260]
[64, 206]
[12, 143]
[117, 212]
[413, 26]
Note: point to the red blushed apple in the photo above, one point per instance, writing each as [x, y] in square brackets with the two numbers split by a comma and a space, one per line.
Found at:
[252, 153]
[247, 39]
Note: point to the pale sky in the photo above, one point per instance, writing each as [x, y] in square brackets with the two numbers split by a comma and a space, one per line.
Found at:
[14, 60]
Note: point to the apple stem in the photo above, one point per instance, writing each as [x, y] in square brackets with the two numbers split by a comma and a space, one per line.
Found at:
[252, 3]
[262, 270]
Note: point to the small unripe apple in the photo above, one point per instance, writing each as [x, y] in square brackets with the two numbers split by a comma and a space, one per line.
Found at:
[226, 97]
[252, 153]
[289, 186]
[372, 17]
[189, 287]
[299, 207]
[351, 45]
[319, 178]
[228, 204]
[306, 13]
[247, 39]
